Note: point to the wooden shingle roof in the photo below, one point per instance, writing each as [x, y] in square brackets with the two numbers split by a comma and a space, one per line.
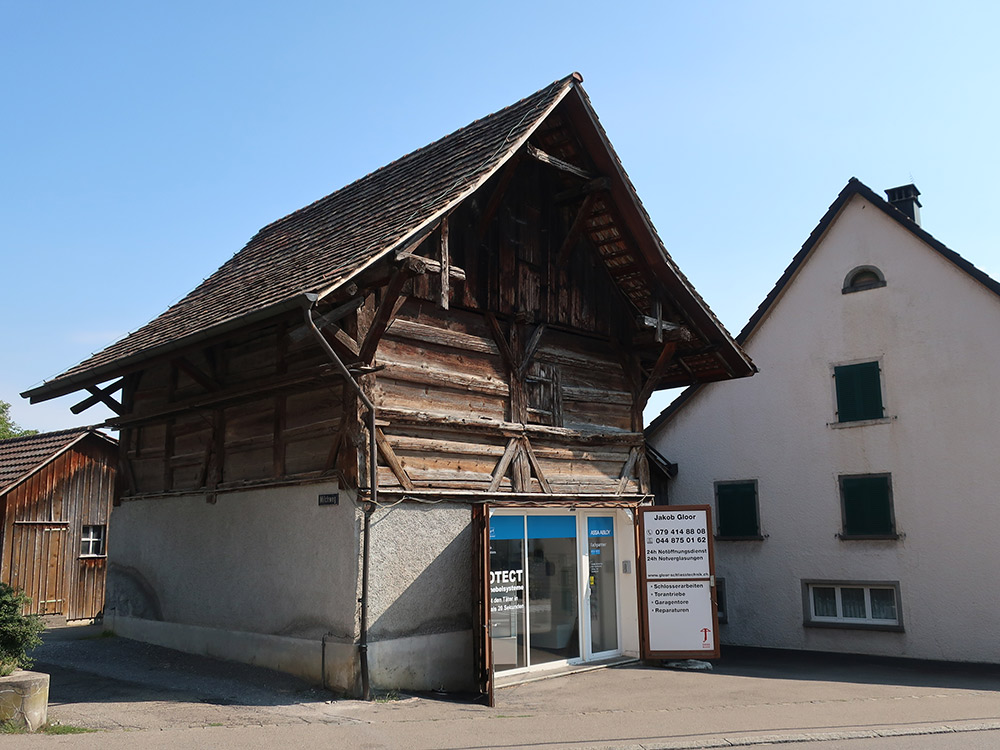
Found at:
[328, 241]
[20, 456]
[321, 247]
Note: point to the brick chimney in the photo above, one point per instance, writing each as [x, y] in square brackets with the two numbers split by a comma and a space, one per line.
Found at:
[905, 199]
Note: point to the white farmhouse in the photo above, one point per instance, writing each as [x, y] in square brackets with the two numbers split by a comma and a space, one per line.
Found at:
[854, 480]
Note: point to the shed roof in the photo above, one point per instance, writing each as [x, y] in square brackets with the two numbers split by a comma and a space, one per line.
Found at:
[319, 248]
[21, 456]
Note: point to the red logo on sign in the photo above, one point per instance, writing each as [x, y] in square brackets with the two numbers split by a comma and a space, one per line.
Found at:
[705, 632]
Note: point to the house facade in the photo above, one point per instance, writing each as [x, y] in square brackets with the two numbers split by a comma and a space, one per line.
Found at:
[56, 490]
[854, 478]
[396, 441]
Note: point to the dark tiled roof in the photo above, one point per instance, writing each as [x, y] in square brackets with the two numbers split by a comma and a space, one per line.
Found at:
[21, 455]
[320, 246]
[854, 187]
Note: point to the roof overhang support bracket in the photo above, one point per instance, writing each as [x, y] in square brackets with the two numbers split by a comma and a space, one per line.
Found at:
[392, 299]
[662, 363]
[576, 228]
[103, 396]
[553, 161]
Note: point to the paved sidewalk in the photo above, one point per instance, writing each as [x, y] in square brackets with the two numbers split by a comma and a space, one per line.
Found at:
[139, 693]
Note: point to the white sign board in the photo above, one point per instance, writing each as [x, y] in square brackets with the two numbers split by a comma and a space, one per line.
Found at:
[676, 544]
[677, 582]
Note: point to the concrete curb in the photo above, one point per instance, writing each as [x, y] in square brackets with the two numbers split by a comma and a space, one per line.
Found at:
[782, 739]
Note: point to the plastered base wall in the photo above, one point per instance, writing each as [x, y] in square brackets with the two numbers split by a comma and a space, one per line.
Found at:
[270, 561]
[429, 662]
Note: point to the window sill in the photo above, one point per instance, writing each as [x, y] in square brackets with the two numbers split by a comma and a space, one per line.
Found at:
[755, 538]
[876, 537]
[889, 628]
[92, 557]
[862, 287]
[860, 423]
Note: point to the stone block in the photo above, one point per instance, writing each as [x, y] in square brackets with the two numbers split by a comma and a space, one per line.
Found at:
[24, 699]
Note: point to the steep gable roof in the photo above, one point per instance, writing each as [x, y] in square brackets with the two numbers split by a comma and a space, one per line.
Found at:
[21, 456]
[853, 188]
[319, 248]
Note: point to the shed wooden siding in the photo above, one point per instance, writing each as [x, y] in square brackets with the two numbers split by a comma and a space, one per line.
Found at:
[43, 524]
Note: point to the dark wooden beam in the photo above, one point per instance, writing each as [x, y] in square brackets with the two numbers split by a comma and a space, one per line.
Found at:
[383, 316]
[445, 266]
[497, 197]
[530, 348]
[98, 395]
[501, 342]
[195, 373]
[589, 187]
[662, 363]
[533, 460]
[576, 228]
[627, 470]
[500, 470]
[333, 316]
[392, 460]
[553, 161]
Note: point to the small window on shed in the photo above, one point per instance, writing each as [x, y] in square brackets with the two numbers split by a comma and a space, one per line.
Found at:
[862, 278]
[92, 541]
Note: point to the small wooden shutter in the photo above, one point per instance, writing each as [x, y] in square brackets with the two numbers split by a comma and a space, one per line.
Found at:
[737, 507]
[859, 392]
[867, 506]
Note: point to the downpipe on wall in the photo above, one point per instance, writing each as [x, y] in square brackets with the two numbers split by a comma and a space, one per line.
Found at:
[368, 507]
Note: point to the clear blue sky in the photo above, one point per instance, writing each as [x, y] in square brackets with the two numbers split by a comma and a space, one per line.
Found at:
[144, 143]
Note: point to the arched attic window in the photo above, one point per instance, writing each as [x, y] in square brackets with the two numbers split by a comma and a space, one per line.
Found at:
[862, 278]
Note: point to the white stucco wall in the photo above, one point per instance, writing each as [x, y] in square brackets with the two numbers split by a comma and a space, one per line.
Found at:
[936, 333]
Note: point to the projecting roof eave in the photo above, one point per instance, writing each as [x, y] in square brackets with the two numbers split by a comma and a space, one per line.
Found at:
[64, 385]
[670, 277]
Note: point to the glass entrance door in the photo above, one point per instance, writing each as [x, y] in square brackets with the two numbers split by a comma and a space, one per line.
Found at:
[553, 593]
[602, 594]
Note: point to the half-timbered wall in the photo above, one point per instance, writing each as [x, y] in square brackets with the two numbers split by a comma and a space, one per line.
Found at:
[44, 519]
[508, 375]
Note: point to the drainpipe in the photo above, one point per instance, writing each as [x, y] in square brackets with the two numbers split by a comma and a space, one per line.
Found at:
[369, 506]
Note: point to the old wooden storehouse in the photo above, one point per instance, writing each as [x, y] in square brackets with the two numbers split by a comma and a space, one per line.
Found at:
[56, 491]
[396, 440]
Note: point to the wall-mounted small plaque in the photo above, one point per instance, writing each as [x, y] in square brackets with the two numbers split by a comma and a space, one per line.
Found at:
[333, 499]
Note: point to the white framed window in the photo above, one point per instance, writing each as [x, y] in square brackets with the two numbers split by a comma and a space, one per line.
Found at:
[852, 604]
[92, 541]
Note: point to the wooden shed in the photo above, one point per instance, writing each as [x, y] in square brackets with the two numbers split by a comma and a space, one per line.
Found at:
[341, 448]
[56, 491]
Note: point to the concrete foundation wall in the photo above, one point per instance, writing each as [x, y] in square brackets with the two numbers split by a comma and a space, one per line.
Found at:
[269, 561]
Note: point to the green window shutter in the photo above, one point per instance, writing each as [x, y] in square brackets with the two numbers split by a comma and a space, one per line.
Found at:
[737, 508]
[859, 392]
[867, 506]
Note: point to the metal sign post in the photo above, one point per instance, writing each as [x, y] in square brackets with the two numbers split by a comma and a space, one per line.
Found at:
[677, 582]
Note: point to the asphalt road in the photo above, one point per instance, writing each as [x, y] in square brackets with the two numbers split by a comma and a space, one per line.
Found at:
[142, 696]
